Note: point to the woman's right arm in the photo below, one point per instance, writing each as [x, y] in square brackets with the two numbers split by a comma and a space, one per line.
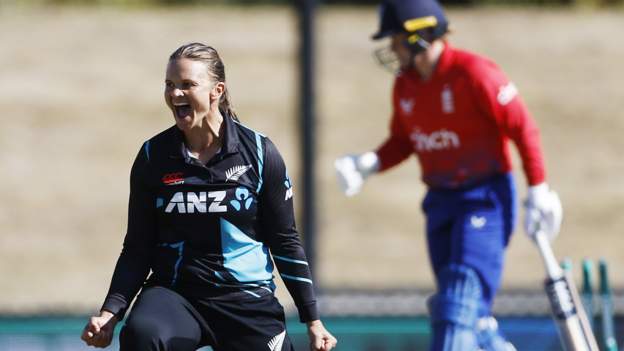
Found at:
[133, 264]
[353, 170]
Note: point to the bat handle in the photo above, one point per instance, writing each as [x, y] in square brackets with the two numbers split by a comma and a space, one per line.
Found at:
[553, 269]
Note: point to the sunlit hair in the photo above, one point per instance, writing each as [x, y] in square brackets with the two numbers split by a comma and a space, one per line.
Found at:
[208, 55]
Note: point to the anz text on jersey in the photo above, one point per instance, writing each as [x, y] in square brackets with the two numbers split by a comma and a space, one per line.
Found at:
[191, 202]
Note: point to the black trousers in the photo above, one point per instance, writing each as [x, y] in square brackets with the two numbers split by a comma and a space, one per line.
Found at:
[163, 320]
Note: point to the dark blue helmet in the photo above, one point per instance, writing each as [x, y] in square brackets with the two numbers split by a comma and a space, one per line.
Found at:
[423, 21]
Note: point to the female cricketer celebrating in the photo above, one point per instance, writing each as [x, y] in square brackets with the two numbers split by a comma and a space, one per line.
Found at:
[208, 199]
[456, 111]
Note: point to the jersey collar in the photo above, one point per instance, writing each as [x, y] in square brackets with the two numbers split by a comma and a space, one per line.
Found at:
[230, 137]
[445, 61]
[230, 140]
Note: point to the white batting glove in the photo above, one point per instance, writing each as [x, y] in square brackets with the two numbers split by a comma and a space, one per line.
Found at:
[352, 171]
[543, 211]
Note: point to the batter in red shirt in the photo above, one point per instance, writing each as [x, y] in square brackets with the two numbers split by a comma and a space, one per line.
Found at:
[459, 121]
[456, 111]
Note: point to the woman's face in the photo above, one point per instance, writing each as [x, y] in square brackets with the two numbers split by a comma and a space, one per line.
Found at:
[406, 58]
[401, 51]
[190, 92]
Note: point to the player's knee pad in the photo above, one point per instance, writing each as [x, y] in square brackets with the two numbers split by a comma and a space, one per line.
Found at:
[454, 309]
[489, 337]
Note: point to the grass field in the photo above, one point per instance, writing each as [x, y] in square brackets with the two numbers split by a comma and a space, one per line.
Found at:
[81, 89]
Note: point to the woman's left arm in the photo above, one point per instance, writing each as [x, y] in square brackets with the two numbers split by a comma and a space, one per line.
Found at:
[277, 222]
[500, 99]
[278, 227]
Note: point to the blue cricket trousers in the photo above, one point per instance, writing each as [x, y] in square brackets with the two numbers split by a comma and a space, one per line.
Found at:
[472, 227]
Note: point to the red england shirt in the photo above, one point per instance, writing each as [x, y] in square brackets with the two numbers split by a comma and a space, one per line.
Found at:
[459, 122]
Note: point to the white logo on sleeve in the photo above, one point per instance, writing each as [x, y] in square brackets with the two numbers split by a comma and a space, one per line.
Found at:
[236, 172]
[506, 93]
[275, 344]
[197, 202]
[407, 105]
[477, 222]
[289, 188]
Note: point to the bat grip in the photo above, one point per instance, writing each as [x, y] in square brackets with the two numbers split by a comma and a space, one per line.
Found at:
[553, 269]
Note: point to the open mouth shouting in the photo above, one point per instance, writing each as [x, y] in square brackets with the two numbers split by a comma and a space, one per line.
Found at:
[182, 110]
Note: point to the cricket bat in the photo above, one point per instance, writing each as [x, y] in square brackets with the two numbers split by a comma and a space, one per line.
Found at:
[567, 310]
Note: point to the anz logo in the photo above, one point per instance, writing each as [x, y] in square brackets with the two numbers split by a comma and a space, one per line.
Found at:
[201, 202]
[289, 188]
[243, 199]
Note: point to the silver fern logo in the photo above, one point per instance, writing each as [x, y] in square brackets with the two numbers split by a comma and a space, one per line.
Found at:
[276, 343]
[236, 172]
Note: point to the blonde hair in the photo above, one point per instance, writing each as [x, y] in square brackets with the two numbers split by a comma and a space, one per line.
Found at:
[209, 56]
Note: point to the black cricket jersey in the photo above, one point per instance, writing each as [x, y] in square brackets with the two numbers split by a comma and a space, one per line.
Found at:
[209, 230]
